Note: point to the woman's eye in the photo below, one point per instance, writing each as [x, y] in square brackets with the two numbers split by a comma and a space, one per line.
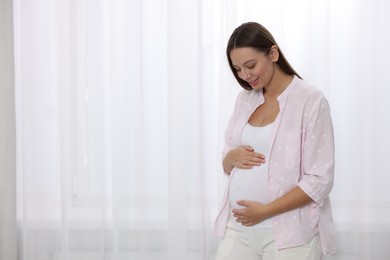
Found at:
[251, 66]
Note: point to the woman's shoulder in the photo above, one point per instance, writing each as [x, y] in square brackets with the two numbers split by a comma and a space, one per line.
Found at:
[308, 90]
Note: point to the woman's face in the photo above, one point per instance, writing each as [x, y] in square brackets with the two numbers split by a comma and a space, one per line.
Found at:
[256, 68]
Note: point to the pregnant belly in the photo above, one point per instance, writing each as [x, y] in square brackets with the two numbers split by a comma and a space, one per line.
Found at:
[250, 185]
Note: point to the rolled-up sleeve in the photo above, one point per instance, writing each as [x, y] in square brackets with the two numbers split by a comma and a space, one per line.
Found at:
[318, 150]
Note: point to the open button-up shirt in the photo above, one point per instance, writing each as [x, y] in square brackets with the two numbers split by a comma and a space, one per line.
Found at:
[301, 154]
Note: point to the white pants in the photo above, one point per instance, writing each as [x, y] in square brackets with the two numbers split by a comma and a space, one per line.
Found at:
[259, 244]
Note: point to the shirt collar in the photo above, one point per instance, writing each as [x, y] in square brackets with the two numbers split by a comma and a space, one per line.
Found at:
[283, 96]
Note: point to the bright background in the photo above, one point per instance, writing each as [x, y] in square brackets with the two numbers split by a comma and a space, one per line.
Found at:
[121, 108]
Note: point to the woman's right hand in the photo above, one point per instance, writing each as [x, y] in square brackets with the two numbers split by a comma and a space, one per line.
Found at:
[243, 157]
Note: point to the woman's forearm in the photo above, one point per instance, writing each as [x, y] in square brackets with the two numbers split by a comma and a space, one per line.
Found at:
[254, 212]
[293, 199]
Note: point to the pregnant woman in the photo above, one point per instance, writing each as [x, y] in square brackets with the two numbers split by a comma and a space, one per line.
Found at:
[278, 156]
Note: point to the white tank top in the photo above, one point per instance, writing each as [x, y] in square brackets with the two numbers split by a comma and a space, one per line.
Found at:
[252, 184]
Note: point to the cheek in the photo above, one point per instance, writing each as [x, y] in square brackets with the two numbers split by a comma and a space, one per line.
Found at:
[266, 70]
[261, 69]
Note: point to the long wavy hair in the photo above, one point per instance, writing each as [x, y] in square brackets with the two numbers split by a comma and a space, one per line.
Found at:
[256, 36]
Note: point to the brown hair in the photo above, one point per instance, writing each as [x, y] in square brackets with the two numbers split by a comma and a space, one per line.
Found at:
[256, 36]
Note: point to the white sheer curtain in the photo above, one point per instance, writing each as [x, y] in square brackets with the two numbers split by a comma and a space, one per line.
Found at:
[121, 107]
[117, 129]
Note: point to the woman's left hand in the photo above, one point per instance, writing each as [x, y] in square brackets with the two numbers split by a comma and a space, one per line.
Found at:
[252, 214]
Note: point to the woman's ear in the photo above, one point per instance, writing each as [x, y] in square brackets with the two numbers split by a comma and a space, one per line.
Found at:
[274, 53]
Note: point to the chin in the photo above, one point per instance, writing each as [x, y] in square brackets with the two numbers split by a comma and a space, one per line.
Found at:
[257, 87]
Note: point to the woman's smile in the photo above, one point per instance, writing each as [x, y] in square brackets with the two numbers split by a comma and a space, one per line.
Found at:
[254, 82]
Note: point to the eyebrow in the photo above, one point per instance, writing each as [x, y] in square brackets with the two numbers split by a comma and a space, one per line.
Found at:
[248, 61]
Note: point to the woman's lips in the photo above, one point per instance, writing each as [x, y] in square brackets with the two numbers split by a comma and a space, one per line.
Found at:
[253, 82]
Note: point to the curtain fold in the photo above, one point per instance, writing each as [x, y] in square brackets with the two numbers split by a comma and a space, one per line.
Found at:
[8, 240]
[121, 108]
